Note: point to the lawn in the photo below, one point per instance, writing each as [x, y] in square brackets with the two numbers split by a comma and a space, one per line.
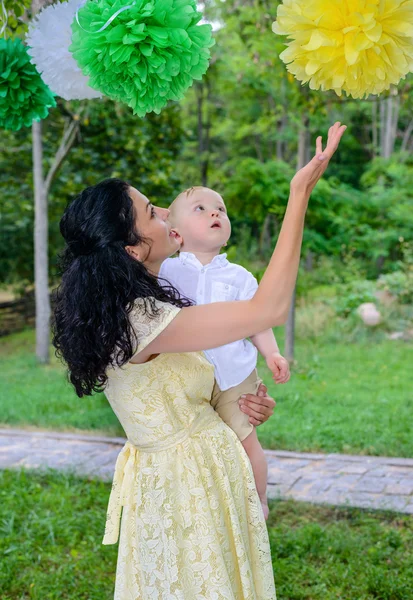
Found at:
[52, 524]
[350, 398]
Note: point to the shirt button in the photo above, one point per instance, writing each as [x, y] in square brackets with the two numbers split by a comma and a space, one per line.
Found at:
[202, 270]
[226, 287]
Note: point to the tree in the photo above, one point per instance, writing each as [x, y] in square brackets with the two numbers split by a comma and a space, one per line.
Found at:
[41, 194]
[18, 14]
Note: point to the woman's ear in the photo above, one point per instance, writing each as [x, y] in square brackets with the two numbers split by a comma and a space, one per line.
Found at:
[134, 252]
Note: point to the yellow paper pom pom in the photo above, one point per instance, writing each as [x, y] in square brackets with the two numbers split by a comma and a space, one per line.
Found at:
[360, 47]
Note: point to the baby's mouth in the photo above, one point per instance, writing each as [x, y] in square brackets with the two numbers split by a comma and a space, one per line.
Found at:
[216, 225]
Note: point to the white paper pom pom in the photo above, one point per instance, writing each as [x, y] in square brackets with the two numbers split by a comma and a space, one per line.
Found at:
[48, 41]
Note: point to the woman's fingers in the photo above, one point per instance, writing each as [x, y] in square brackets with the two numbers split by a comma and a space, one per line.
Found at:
[253, 406]
[319, 145]
[255, 414]
[334, 136]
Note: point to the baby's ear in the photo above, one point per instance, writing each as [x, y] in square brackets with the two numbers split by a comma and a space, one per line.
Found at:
[178, 235]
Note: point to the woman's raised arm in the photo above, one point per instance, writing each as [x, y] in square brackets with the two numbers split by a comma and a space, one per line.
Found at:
[212, 325]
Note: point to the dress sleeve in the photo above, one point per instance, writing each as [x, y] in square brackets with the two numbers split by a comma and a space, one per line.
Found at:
[148, 323]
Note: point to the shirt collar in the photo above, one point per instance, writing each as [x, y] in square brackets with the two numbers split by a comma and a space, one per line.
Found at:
[189, 258]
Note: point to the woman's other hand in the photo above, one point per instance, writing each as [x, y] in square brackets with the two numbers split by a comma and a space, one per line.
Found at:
[306, 178]
[259, 408]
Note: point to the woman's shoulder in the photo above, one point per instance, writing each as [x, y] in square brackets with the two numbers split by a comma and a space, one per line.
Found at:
[152, 306]
[149, 316]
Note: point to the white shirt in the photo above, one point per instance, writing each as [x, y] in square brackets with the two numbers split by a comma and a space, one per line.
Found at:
[218, 281]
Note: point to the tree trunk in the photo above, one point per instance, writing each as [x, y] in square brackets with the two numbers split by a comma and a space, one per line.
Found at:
[280, 143]
[203, 131]
[389, 117]
[309, 261]
[40, 250]
[382, 126]
[265, 237]
[375, 133]
[302, 156]
[406, 136]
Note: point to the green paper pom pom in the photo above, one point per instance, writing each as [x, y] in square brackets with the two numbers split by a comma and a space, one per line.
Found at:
[24, 97]
[150, 53]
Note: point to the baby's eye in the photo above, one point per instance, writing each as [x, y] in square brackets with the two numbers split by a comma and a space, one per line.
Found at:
[200, 207]
[222, 209]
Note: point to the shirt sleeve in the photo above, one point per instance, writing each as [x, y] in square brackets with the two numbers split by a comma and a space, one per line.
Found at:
[149, 317]
[249, 288]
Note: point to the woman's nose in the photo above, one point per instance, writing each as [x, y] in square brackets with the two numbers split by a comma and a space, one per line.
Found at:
[164, 213]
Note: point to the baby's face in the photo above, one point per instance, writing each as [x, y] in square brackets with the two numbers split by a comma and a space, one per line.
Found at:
[202, 221]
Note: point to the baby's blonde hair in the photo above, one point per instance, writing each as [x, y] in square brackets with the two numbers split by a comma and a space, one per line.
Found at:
[188, 192]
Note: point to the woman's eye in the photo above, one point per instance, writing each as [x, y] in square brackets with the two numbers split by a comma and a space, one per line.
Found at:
[152, 212]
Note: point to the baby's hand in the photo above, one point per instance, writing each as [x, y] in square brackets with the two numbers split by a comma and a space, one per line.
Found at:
[279, 367]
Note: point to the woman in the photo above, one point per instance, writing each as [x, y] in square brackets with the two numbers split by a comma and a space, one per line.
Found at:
[192, 524]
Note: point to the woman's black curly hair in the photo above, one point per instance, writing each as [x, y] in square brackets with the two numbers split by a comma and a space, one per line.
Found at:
[100, 282]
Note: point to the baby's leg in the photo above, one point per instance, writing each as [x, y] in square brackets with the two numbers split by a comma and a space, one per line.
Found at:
[259, 467]
[226, 405]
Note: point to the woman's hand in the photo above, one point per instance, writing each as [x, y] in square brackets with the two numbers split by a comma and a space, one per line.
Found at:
[306, 178]
[259, 408]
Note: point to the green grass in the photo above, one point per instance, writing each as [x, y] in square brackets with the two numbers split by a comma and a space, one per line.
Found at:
[351, 398]
[40, 396]
[51, 528]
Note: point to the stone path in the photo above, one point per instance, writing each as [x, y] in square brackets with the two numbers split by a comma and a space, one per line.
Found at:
[335, 479]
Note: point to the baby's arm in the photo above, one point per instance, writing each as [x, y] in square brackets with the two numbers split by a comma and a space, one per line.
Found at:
[267, 346]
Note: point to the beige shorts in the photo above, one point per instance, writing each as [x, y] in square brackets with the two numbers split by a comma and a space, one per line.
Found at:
[226, 404]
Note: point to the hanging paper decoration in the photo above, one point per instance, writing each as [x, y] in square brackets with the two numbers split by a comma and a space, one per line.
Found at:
[143, 53]
[48, 40]
[360, 47]
[23, 95]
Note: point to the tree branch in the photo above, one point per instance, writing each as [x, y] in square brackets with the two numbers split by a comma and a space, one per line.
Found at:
[406, 136]
[67, 141]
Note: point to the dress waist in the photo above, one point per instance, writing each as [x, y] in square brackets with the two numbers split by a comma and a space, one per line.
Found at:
[173, 439]
[124, 475]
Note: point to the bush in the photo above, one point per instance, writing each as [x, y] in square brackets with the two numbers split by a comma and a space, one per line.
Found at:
[399, 284]
[351, 295]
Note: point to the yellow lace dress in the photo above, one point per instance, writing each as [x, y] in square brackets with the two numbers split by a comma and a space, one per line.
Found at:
[192, 526]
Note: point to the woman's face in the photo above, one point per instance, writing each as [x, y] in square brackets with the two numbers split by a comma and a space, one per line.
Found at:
[151, 222]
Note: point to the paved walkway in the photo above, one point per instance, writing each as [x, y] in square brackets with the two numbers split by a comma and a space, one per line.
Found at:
[335, 479]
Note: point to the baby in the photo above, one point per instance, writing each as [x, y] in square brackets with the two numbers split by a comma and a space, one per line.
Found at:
[203, 275]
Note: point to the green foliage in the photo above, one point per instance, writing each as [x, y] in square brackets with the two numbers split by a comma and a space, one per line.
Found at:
[399, 284]
[16, 22]
[113, 143]
[351, 295]
[236, 131]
